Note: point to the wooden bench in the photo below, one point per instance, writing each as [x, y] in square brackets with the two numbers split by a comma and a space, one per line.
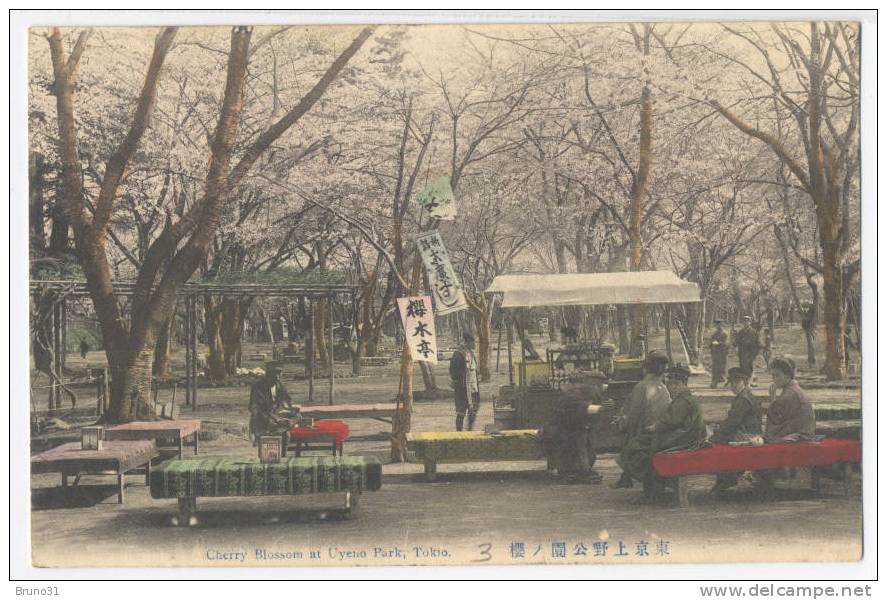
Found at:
[323, 435]
[381, 412]
[115, 458]
[374, 361]
[435, 447]
[723, 458]
[188, 479]
[179, 430]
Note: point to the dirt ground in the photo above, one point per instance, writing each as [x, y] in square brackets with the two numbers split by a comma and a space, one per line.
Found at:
[475, 513]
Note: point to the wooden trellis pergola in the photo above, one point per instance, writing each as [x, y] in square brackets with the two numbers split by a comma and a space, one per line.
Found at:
[189, 293]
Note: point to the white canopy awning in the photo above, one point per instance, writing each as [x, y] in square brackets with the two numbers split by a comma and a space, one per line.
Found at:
[631, 287]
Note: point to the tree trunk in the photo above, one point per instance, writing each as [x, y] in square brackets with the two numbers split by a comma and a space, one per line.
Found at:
[163, 349]
[402, 421]
[212, 327]
[233, 313]
[320, 326]
[482, 326]
[131, 385]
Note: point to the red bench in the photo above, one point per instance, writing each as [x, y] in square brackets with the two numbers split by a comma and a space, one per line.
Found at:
[325, 434]
[723, 458]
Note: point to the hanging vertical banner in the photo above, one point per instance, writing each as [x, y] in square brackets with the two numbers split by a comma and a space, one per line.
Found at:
[448, 294]
[418, 326]
[437, 198]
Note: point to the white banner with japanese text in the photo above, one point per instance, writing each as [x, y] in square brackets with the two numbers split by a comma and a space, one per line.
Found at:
[448, 294]
[418, 325]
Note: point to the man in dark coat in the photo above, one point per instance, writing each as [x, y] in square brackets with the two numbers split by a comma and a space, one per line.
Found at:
[463, 373]
[565, 436]
[270, 407]
[648, 401]
[681, 426]
[747, 345]
[718, 344]
[743, 420]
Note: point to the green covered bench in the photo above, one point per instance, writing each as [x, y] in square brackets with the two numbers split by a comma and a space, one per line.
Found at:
[435, 447]
[215, 477]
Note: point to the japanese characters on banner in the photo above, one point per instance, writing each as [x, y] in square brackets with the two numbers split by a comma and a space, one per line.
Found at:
[445, 286]
[418, 326]
[437, 199]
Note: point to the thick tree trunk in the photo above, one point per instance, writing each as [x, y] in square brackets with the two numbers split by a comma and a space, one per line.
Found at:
[163, 349]
[131, 385]
[320, 326]
[834, 316]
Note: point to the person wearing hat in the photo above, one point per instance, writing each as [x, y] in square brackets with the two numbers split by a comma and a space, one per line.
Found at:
[270, 406]
[565, 437]
[747, 345]
[743, 419]
[719, 347]
[648, 401]
[790, 416]
[681, 426]
[463, 373]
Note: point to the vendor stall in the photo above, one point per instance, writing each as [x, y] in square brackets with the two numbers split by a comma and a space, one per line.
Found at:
[526, 403]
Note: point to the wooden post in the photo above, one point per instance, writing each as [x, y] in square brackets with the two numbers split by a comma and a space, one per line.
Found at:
[510, 340]
[331, 353]
[668, 332]
[188, 326]
[193, 343]
[499, 345]
[309, 350]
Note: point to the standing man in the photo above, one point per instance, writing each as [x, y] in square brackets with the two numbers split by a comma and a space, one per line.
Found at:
[270, 407]
[84, 347]
[463, 372]
[647, 403]
[747, 345]
[719, 349]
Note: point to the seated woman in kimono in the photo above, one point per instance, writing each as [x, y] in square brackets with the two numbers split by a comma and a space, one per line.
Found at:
[790, 416]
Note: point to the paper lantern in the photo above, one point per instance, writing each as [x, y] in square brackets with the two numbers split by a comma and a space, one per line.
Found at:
[91, 438]
[270, 448]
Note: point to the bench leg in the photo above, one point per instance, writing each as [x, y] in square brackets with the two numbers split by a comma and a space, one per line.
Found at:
[187, 507]
[683, 492]
[196, 441]
[64, 480]
[430, 471]
[181, 447]
[148, 473]
[814, 479]
[120, 488]
[352, 504]
[847, 478]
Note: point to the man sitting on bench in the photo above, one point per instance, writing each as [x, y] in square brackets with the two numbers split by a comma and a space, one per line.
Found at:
[270, 407]
[743, 420]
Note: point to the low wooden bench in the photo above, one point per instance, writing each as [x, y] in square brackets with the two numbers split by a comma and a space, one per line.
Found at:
[723, 458]
[179, 430]
[188, 479]
[384, 411]
[435, 447]
[330, 434]
[375, 361]
[115, 458]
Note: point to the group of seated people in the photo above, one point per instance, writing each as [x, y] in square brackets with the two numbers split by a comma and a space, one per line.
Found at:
[662, 415]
